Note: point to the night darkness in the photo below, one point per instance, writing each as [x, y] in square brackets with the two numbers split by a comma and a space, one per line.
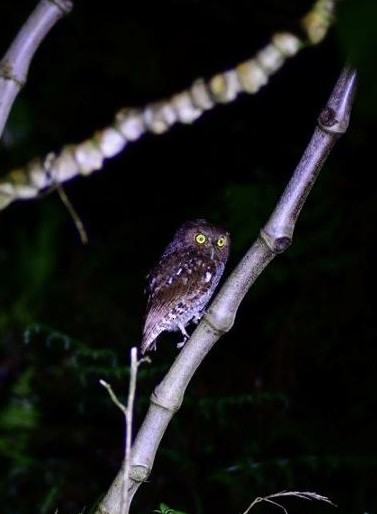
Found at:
[287, 399]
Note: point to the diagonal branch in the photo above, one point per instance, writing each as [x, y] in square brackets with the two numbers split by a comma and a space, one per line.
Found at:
[15, 64]
[274, 238]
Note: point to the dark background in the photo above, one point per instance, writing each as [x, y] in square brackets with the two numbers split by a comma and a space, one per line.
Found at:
[287, 399]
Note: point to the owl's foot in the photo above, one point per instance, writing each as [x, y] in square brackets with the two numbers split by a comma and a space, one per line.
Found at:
[197, 318]
[185, 336]
[182, 343]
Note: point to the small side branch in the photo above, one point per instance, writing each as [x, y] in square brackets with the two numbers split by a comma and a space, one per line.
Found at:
[15, 64]
[128, 415]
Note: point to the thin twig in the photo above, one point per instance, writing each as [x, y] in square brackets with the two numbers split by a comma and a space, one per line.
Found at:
[304, 495]
[113, 396]
[129, 419]
[73, 213]
[128, 415]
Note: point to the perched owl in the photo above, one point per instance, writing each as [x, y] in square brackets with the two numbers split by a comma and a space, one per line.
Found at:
[184, 279]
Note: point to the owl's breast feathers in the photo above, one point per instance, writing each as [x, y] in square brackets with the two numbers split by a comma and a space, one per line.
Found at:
[179, 288]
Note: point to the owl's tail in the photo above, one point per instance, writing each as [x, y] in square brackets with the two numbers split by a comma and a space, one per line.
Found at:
[148, 343]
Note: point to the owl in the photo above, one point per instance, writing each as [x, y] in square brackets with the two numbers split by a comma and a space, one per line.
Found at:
[184, 279]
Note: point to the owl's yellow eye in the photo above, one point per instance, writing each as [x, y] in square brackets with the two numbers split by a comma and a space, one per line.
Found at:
[221, 241]
[200, 238]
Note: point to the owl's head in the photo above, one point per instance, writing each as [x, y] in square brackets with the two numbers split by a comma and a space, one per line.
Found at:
[204, 237]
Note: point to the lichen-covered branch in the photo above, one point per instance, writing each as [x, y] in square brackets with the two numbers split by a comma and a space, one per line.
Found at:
[158, 117]
[274, 238]
[15, 64]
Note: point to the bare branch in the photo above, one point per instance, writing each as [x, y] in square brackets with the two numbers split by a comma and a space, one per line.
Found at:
[129, 419]
[73, 213]
[274, 238]
[128, 414]
[113, 396]
[15, 64]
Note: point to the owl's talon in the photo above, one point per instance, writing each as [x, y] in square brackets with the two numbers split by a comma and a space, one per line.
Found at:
[184, 332]
[197, 318]
[182, 343]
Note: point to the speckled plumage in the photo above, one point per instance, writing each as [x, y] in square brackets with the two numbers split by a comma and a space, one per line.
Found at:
[184, 279]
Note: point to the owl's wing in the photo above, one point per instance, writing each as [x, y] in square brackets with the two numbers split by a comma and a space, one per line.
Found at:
[178, 284]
